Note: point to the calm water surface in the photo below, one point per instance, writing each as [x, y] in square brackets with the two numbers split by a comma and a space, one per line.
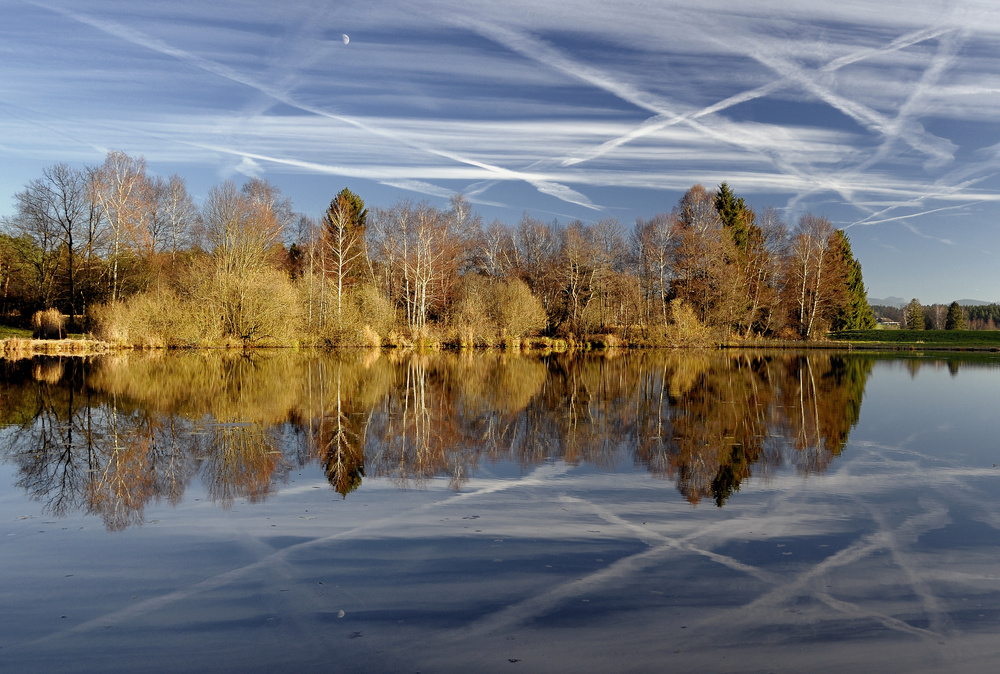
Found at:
[383, 512]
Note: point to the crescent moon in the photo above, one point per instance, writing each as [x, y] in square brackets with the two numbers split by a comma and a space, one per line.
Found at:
[346, 38]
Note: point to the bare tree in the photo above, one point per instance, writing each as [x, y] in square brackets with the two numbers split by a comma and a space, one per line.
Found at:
[55, 212]
[244, 226]
[814, 280]
[124, 193]
[419, 253]
[172, 218]
[610, 262]
[704, 276]
[537, 246]
[653, 242]
[497, 256]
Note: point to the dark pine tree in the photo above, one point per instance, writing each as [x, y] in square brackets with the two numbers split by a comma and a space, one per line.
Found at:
[956, 317]
[914, 314]
[855, 313]
[737, 218]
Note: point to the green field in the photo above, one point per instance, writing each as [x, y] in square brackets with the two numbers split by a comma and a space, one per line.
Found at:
[7, 332]
[941, 338]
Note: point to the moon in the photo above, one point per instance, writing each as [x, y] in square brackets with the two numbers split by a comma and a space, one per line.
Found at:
[346, 38]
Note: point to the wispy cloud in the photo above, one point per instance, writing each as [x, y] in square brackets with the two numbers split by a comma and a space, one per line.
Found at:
[139, 38]
[873, 114]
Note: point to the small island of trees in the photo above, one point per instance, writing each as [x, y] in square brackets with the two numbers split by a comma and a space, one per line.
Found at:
[128, 257]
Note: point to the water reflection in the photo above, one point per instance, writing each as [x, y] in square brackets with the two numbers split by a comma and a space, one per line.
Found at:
[111, 435]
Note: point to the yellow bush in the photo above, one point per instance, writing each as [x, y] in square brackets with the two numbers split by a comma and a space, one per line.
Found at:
[48, 324]
[686, 329]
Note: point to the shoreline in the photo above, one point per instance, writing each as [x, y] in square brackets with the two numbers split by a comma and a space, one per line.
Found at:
[19, 348]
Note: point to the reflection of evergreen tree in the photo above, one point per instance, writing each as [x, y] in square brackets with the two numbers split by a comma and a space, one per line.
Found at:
[342, 441]
[110, 435]
[719, 427]
[843, 390]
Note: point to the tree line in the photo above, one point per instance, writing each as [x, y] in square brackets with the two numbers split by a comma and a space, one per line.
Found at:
[127, 255]
[954, 316]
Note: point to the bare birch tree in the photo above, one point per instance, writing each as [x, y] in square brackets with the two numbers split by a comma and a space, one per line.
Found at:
[653, 242]
[814, 280]
[123, 191]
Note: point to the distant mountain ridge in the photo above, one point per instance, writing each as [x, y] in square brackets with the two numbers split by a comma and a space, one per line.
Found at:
[899, 302]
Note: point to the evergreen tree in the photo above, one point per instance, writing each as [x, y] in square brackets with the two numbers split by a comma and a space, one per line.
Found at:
[914, 314]
[349, 209]
[737, 218]
[956, 317]
[855, 313]
[344, 251]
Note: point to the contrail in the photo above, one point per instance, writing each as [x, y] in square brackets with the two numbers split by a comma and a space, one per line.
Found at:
[143, 40]
[541, 52]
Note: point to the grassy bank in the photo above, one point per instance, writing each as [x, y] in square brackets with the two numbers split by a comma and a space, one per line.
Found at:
[922, 339]
[7, 332]
[19, 343]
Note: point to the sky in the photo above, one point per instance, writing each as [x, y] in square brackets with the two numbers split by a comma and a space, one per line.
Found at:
[882, 117]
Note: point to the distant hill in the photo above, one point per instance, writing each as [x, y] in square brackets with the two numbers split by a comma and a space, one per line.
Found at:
[899, 302]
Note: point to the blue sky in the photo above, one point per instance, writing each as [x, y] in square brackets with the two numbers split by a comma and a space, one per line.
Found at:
[881, 116]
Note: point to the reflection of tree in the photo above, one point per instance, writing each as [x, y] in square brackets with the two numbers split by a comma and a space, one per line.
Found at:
[110, 435]
[724, 423]
[342, 439]
[416, 431]
[718, 424]
[46, 447]
[242, 460]
[79, 450]
[821, 403]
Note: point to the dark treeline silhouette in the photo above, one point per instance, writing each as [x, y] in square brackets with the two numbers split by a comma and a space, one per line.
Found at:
[129, 256]
[108, 435]
[954, 316]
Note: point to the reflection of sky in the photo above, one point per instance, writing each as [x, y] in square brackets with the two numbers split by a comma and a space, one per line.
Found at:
[887, 561]
[934, 414]
[880, 115]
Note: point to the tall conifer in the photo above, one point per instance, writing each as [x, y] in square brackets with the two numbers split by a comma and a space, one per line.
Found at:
[737, 217]
[856, 314]
[956, 317]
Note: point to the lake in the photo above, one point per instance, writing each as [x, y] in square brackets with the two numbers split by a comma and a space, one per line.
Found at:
[732, 511]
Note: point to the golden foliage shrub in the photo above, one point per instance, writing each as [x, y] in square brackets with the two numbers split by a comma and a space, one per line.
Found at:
[48, 324]
[497, 312]
[256, 309]
[686, 329]
[158, 319]
[374, 309]
[518, 312]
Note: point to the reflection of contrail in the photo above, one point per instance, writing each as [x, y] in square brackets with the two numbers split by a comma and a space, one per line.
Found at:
[537, 477]
[139, 38]
[540, 604]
